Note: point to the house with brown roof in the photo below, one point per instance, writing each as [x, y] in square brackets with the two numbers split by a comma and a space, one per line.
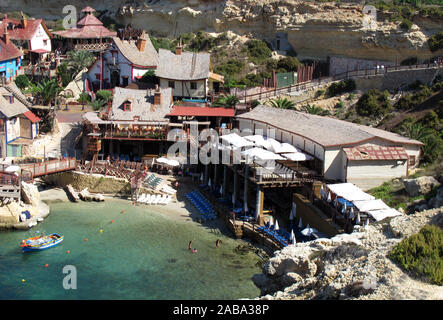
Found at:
[129, 57]
[189, 74]
[10, 59]
[29, 35]
[89, 34]
[343, 151]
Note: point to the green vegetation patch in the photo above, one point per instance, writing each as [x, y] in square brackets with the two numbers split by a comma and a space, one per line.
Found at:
[341, 87]
[436, 41]
[422, 254]
[373, 104]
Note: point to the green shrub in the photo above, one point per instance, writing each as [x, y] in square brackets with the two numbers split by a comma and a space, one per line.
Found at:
[406, 24]
[258, 50]
[422, 254]
[288, 64]
[104, 95]
[373, 104]
[149, 77]
[341, 87]
[436, 42]
[22, 81]
[230, 67]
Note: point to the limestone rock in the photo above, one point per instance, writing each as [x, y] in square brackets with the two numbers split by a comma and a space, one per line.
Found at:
[419, 186]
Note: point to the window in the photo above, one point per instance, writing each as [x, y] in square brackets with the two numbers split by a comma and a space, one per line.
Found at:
[171, 84]
[411, 161]
[127, 106]
[45, 42]
[97, 76]
[193, 85]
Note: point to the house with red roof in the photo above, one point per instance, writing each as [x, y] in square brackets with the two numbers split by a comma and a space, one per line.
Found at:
[130, 55]
[89, 34]
[10, 59]
[30, 35]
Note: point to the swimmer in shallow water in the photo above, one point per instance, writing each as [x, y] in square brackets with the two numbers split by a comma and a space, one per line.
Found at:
[190, 247]
[217, 243]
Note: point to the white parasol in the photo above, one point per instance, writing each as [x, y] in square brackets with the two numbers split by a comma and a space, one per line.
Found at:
[329, 197]
[357, 221]
[293, 237]
[308, 231]
[276, 225]
[271, 221]
[300, 223]
[209, 182]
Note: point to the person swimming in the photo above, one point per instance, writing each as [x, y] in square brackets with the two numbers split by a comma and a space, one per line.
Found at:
[217, 243]
[190, 247]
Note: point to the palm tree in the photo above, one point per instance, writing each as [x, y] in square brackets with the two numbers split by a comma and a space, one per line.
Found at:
[97, 104]
[83, 98]
[78, 60]
[226, 101]
[46, 91]
[281, 103]
[315, 110]
[416, 131]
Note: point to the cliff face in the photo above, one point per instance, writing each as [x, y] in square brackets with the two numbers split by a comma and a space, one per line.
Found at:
[315, 30]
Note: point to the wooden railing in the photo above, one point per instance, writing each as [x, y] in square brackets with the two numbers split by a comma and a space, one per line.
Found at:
[50, 166]
[299, 87]
[92, 46]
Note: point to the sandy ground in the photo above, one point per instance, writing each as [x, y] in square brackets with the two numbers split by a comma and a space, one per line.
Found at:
[178, 209]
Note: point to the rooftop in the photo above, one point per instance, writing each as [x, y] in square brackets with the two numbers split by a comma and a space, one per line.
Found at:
[8, 51]
[201, 112]
[142, 105]
[146, 58]
[10, 109]
[17, 32]
[376, 153]
[185, 66]
[325, 131]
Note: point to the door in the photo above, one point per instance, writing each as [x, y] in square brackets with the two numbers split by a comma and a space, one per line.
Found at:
[115, 79]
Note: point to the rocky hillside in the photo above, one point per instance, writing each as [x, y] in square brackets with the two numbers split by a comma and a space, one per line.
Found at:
[349, 266]
[315, 30]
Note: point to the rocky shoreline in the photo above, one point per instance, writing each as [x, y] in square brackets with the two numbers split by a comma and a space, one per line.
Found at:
[349, 266]
[30, 201]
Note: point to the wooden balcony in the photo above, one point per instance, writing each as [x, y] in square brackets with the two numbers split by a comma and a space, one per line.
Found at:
[136, 134]
[92, 46]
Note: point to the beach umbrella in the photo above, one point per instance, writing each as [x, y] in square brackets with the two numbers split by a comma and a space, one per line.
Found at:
[351, 213]
[329, 197]
[271, 221]
[300, 223]
[12, 169]
[293, 211]
[293, 237]
[343, 209]
[308, 231]
[209, 182]
[276, 225]
[322, 192]
[201, 177]
[153, 161]
[221, 189]
[367, 222]
[357, 221]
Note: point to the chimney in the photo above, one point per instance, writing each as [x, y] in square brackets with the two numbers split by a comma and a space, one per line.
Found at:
[6, 35]
[179, 48]
[157, 95]
[23, 21]
[141, 42]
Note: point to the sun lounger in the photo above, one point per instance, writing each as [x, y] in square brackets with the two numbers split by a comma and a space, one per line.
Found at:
[141, 198]
[147, 199]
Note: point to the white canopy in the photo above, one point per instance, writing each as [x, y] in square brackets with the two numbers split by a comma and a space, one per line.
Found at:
[264, 142]
[169, 162]
[308, 231]
[276, 227]
[379, 215]
[297, 156]
[12, 169]
[237, 141]
[368, 205]
[261, 154]
[286, 148]
[349, 192]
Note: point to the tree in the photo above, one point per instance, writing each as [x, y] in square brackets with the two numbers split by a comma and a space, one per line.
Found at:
[104, 95]
[78, 60]
[46, 91]
[312, 109]
[64, 73]
[374, 103]
[83, 99]
[226, 101]
[416, 131]
[97, 104]
[281, 103]
[22, 81]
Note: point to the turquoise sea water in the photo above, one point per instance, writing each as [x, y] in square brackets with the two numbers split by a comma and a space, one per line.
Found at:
[142, 255]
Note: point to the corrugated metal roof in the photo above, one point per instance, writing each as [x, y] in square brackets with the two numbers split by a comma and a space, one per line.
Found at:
[201, 112]
[325, 131]
[376, 153]
[10, 109]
